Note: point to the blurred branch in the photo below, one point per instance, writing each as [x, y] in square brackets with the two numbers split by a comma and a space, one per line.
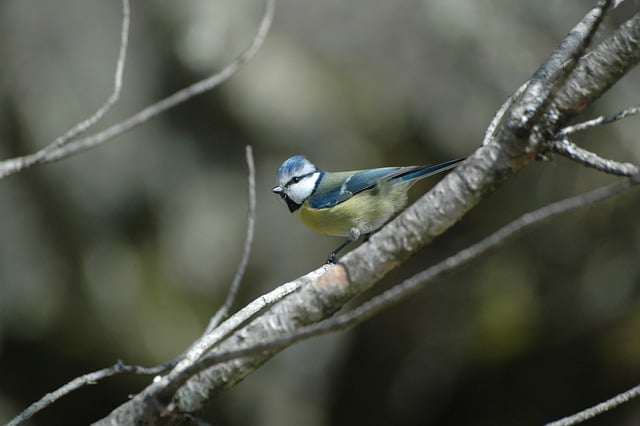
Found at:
[598, 409]
[69, 148]
[223, 312]
[15, 165]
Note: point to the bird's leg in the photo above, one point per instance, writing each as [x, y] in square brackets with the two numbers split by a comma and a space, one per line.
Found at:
[354, 234]
[332, 259]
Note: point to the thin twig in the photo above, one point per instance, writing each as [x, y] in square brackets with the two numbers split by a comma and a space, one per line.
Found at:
[83, 126]
[84, 380]
[12, 166]
[587, 158]
[404, 289]
[603, 119]
[598, 409]
[15, 165]
[248, 242]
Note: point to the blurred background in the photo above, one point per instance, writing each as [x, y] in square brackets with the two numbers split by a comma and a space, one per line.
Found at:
[125, 251]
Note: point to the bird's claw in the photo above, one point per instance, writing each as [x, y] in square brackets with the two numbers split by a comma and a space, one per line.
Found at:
[332, 259]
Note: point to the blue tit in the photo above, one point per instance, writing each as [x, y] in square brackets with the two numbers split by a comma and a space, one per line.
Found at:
[348, 204]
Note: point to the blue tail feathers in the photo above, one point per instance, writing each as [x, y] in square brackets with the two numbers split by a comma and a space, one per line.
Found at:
[429, 170]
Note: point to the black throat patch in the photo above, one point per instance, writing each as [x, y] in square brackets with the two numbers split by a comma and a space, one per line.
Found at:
[293, 206]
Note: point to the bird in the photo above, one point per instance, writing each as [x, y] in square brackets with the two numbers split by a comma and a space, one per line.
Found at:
[351, 203]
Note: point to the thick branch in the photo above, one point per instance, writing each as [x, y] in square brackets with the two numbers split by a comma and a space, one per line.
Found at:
[601, 69]
[403, 290]
[522, 131]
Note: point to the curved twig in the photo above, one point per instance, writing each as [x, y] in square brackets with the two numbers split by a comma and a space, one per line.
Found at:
[9, 167]
[246, 253]
[81, 381]
[15, 165]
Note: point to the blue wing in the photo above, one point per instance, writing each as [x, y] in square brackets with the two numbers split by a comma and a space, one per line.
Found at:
[334, 188]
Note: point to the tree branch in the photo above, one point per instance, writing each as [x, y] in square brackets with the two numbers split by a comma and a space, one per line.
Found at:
[587, 158]
[9, 167]
[598, 121]
[600, 69]
[15, 165]
[598, 409]
[120, 367]
[405, 289]
[81, 381]
[523, 126]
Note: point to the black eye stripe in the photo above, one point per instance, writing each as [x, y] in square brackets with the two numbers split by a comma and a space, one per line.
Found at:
[293, 180]
[297, 179]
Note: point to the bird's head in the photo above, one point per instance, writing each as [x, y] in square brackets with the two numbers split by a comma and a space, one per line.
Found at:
[297, 180]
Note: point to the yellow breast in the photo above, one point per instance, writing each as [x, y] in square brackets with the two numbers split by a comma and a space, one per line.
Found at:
[367, 211]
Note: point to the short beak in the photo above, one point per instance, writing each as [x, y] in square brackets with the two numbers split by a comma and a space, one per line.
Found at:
[277, 190]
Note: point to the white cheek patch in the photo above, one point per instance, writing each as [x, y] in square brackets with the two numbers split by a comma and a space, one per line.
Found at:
[300, 191]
